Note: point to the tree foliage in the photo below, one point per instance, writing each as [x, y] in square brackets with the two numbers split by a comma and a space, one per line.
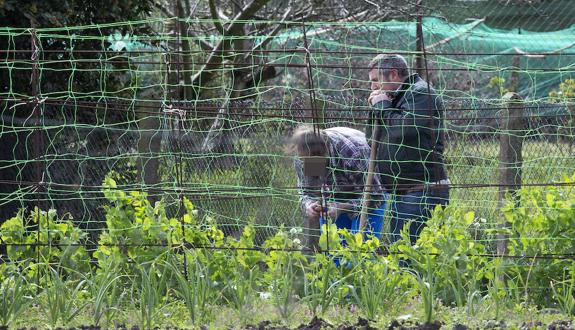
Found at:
[59, 13]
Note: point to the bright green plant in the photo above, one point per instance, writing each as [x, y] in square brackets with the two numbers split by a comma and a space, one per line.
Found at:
[286, 273]
[346, 249]
[357, 248]
[564, 291]
[498, 83]
[61, 299]
[149, 292]
[134, 228]
[240, 291]
[107, 294]
[244, 276]
[496, 285]
[542, 224]
[427, 288]
[14, 296]
[197, 290]
[372, 284]
[285, 270]
[244, 251]
[378, 286]
[566, 91]
[38, 233]
[138, 232]
[330, 239]
[447, 244]
[322, 280]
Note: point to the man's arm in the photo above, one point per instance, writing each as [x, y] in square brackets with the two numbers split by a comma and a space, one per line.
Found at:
[413, 120]
[378, 100]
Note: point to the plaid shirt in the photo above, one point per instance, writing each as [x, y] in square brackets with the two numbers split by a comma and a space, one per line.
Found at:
[346, 171]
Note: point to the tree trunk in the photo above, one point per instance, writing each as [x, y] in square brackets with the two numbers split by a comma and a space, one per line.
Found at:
[149, 146]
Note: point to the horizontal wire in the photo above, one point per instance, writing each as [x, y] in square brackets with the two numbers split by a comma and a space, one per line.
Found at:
[286, 50]
[542, 256]
[246, 65]
[237, 106]
[400, 186]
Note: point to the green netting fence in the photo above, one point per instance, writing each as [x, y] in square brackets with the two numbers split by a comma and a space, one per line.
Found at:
[162, 114]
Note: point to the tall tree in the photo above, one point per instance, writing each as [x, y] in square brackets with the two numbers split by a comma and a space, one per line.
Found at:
[230, 24]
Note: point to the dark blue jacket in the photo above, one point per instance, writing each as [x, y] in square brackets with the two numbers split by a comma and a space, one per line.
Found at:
[411, 137]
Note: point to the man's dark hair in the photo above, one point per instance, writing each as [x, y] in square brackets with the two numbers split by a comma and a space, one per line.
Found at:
[386, 62]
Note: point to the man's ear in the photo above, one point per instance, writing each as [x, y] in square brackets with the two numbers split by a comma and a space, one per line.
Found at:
[395, 75]
[382, 78]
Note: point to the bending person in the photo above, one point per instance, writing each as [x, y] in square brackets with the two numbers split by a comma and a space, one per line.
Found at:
[346, 155]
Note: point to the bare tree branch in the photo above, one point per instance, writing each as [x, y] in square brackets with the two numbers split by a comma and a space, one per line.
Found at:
[373, 4]
[247, 12]
[215, 16]
[189, 32]
[191, 11]
[304, 14]
[164, 10]
[232, 29]
[270, 35]
[202, 43]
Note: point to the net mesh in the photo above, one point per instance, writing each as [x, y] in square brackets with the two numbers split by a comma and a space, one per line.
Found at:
[161, 114]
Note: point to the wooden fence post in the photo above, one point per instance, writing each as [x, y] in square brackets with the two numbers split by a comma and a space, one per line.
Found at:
[510, 156]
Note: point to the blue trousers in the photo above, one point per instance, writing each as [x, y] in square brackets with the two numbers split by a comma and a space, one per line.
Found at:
[415, 207]
[351, 223]
[372, 227]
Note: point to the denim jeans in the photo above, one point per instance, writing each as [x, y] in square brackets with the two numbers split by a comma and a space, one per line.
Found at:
[415, 207]
[372, 227]
[351, 223]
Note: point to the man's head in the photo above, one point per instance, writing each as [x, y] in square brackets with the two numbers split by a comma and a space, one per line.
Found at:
[387, 72]
[304, 142]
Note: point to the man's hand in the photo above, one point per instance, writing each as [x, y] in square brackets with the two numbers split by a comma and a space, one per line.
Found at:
[378, 96]
[313, 209]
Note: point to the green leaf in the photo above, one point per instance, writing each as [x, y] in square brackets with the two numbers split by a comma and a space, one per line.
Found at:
[469, 217]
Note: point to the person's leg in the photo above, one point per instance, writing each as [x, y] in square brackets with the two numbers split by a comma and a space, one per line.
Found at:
[416, 208]
[374, 222]
[375, 219]
[404, 208]
[429, 200]
[440, 196]
[343, 221]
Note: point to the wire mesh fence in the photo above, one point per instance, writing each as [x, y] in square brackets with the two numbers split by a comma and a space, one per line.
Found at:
[205, 117]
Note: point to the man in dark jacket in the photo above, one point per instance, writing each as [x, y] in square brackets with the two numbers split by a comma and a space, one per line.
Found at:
[410, 140]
